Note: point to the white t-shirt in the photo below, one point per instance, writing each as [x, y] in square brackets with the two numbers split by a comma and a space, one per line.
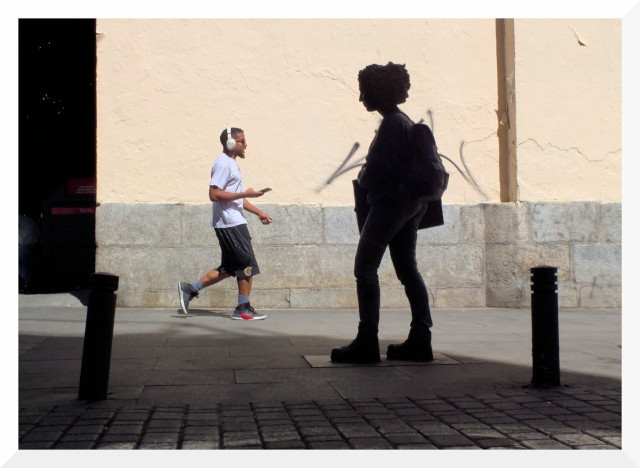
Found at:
[225, 174]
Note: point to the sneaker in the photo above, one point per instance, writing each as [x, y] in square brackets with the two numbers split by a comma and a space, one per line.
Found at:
[246, 312]
[186, 293]
[357, 351]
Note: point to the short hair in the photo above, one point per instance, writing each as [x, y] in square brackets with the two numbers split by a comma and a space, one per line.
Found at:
[224, 137]
[385, 85]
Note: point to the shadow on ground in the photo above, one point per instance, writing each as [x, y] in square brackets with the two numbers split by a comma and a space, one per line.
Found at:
[199, 363]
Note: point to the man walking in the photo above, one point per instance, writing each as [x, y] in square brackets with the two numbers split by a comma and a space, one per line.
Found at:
[229, 202]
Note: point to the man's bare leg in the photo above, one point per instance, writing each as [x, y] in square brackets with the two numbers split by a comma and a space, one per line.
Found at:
[213, 277]
[244, 286]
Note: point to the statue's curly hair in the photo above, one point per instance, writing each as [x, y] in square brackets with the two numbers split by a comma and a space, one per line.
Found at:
[385, 85]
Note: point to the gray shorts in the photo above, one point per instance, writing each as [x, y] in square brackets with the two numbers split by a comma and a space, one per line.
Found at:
[238, 258]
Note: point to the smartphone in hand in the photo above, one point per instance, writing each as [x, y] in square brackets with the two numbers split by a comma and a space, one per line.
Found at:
[264, 190]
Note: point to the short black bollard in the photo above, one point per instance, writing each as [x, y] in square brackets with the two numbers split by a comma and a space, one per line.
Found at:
[544, 329]
[98, 334]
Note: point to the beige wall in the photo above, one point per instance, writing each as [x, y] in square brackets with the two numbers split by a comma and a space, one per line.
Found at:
[569, 109]
[166, 88]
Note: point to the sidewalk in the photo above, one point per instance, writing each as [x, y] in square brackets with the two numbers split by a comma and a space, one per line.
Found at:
[208, 382]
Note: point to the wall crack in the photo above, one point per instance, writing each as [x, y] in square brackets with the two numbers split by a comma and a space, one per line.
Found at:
[582, 44]
[566, 150]
[327, 75]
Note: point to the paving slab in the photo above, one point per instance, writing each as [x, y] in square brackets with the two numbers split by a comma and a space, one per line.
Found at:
[327, 374]
[324, 360]
[224, 362]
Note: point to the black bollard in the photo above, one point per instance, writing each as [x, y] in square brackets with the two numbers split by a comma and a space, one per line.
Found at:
[544, 329]
[98, 334]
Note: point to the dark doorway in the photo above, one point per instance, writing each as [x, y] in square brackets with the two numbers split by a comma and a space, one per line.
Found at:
[57, 152]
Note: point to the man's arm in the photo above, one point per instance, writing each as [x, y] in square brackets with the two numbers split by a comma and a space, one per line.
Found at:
[216, 194]
[264, 217]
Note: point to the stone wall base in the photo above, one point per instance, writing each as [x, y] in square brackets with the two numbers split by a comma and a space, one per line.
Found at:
[481, 257]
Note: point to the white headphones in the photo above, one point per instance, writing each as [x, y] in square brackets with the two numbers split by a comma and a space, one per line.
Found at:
[231, 143]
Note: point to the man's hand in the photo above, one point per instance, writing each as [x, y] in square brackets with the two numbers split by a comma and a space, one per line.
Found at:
[265, 218]
[250, 193]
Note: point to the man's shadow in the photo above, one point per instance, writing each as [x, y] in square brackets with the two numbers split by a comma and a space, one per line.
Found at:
[202, 313]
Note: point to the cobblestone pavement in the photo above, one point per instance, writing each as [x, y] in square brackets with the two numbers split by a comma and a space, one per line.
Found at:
[558, 418]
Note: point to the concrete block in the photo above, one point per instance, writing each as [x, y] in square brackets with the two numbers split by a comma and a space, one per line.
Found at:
[472, 223]
[324, 298]
[506, 223]
[504, 263]
[512, 263]
[598, 297]
[459, 297]
[507, 294]
[138, 224]
[610, 223]
[292, 225]
[268, 298]
[148, 298]
[304, 266]
[459, 265]
[568, 294]
[155, 268]
[599, 264]
[448, 233]
[340, 225]
[196, 225]
[564, 222]
[557, 255]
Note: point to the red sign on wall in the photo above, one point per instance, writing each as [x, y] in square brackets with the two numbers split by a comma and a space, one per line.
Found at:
[72, 210]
